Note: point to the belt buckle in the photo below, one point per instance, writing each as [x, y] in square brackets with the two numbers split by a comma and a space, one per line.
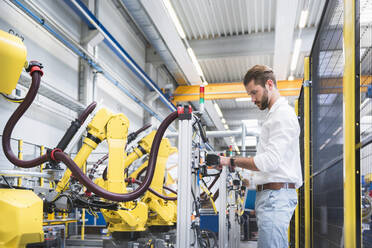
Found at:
[260, 187]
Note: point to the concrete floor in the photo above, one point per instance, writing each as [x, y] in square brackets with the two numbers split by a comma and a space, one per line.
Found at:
[248, 244]
[243, 244]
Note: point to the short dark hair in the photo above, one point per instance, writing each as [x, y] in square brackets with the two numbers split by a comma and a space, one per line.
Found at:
[260, 74]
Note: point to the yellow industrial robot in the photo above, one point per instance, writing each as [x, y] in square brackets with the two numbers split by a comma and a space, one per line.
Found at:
[166, 210]
[131, 215]
[159, 202]
[21, 215]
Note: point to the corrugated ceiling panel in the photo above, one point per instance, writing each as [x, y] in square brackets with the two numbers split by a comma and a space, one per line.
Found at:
[206, 19]
[232, 69]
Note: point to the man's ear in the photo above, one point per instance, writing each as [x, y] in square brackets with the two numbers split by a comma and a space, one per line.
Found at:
[270, 84]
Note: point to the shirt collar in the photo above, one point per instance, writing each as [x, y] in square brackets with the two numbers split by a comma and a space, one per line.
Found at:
[281, 100]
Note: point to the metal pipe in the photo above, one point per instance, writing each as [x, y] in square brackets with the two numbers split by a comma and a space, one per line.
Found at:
[115, 46]
[222, 221]
[244, 134]
[20, 173]
[215, 134]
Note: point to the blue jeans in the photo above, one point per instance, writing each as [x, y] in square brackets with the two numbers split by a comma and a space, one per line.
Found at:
[274, 209]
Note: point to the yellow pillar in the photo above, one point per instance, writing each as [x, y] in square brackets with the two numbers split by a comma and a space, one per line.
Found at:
[83, 213]
[41, 166]
[20, 156]
[297, 224]
[297, 216]
[307, 150]
[351, 171]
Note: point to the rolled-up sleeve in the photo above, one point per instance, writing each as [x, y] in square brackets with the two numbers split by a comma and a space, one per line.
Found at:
[282, 131]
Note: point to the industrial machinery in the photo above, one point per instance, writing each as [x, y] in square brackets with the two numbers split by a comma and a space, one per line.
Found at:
[112, 195]
[130, 199]
[194, 166]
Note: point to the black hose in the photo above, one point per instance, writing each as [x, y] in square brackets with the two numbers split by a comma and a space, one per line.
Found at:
[164, 197]
[75, 126]
[6, 181]
[21, 109]
[36, 74]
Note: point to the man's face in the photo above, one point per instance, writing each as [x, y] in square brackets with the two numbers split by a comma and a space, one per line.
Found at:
[259, 95]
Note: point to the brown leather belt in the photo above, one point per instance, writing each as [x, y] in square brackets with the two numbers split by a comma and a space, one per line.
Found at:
[275, 186]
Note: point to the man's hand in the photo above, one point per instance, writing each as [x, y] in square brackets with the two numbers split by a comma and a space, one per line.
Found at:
[212, 160]
[224, 161]
[245, 182]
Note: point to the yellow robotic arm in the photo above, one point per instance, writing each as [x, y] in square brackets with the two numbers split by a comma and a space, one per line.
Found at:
[96, 134]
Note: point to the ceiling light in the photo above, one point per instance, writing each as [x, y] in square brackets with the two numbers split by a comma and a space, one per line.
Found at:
[291, 78]
[195, 61]
[243, 99]
[337, 131]
[223, 120]
[237, 149]
[303, 18]
[174, 17]
[219, 112]
[226, 126]
[295, 54]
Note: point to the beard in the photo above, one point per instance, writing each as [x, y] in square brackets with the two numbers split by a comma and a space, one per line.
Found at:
[264, 103]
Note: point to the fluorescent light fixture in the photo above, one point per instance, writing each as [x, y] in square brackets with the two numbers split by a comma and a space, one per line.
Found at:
[223, 120]
[296, 53]
[219, 112]
[174, 17]
[291, 78]
[243, 99]
[237, 149]
[226, 126]
[195, 61]
[303, 18]
[337, 131]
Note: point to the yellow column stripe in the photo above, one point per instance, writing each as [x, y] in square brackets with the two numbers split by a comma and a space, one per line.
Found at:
[297, 224]
[350, 239]
[20, 156]
[307, 151]
[41, 166]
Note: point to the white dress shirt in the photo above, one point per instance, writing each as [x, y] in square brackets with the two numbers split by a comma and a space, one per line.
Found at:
[278, 149]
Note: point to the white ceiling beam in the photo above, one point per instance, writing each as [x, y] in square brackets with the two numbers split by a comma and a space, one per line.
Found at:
[284, 29]
[245, 45]
[242, 45]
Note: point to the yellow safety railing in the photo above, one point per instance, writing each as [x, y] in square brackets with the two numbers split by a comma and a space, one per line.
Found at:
[351, 172]
[20, 156]
[42, 148]
[307, 150]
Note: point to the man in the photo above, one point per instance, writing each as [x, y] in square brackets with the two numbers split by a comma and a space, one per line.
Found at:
[277, 161]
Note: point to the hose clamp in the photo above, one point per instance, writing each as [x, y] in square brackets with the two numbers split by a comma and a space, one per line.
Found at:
[35, 66]
[52, 157]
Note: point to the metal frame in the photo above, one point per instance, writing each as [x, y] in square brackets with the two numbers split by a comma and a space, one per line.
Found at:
[184, 197]
[222, 223]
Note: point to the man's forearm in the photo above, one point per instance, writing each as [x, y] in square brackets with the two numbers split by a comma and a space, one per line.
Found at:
[246, 163]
